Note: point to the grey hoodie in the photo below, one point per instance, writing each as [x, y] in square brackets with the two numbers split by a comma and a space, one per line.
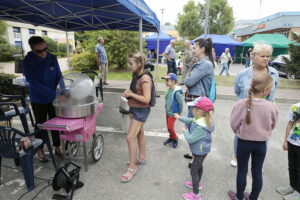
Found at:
[199, 136]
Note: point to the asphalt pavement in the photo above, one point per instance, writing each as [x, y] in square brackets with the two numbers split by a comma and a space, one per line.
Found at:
[163, 177]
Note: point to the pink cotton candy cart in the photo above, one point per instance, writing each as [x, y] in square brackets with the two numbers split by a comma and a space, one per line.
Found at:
[76, 130]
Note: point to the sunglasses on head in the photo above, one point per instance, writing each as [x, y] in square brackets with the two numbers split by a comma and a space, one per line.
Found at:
[39, 51]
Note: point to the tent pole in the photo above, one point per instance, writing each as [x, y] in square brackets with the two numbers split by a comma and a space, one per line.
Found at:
[68, 50]
[157, 61]
[242, 54]
[140, 35]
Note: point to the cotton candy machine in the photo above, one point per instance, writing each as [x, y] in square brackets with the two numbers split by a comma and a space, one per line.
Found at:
[77, 108]
[75, 96]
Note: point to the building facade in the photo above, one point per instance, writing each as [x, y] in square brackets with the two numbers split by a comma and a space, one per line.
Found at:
[283, 22]
[19, 33]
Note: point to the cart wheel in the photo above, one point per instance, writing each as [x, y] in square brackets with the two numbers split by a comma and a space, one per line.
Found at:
[73, 146]
[97, 148]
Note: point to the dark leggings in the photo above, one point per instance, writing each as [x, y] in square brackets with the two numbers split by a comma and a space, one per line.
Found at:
[294, 166]
[43, 112]
[197, 171]
[257, 151]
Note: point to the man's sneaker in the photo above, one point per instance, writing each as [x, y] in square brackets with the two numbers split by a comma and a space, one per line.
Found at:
[233, 162]
[294, 196]
[168, 142]
[189, 184]
[191, 196]
[175, 144]
[285, 190]
[232, 195]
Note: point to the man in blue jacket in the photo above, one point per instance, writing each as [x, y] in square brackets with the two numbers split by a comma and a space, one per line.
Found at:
[42, 71]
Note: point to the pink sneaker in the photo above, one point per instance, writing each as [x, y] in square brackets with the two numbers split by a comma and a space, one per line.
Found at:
[189, 184]
[191, 196]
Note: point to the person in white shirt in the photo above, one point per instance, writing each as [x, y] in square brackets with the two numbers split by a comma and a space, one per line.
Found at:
[224, 59]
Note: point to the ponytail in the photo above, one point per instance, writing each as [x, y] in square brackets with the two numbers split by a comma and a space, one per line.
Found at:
[208, 45]
[249, 106]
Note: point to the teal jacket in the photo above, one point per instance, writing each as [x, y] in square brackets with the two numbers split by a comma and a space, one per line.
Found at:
[174, 101]
[199, 136]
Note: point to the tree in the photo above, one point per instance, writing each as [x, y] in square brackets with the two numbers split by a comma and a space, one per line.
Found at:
[118, 44]
[191, 23]
[293, 64]
[221, 19]
[3, 28]
[168, 24]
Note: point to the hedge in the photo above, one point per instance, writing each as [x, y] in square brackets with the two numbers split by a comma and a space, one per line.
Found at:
[84, 61]
[6, 86]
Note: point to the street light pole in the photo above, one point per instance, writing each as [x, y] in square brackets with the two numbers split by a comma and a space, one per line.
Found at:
[206, 23]
[162, 16]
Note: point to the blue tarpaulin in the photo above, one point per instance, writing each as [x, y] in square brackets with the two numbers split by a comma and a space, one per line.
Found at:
[164, 40]
[220, 42]
[81, 15]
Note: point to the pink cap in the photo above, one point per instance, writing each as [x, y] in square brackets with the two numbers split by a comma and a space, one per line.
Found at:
[205, 104]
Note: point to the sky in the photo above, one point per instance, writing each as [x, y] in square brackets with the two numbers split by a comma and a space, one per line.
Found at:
[242, 9]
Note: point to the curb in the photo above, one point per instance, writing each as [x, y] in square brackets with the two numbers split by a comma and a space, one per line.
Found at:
[219, 96]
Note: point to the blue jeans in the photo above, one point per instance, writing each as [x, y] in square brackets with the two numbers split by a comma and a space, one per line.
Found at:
[224, 68]
[247, 62]
[172, 66]
[257, 151]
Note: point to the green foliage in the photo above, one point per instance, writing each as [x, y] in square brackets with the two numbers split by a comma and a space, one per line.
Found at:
[221, 20]
[6, 86]
[7, 50]
[179, 46]
[3, 27]
[58, 49]
[191, 22]
[293, 65]
[84, 61]
[118, 44]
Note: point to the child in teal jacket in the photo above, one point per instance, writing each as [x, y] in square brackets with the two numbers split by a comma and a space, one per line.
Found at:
[199, 138]
[174, 104]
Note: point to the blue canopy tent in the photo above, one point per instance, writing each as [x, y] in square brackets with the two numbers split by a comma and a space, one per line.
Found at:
[79, 15]
[164, 41]
[220, 42]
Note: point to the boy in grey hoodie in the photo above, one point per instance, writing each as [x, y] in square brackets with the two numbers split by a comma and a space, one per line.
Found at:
[199, 138]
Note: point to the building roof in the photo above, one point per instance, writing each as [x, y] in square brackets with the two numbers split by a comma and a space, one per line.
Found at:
[281, 20]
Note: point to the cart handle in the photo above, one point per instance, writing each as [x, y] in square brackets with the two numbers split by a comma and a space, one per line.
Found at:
[43, 126]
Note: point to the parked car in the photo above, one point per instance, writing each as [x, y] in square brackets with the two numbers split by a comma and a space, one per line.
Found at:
[279, 64]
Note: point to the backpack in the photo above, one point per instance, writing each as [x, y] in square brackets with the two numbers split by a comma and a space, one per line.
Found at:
[153, 91]
[212, 92]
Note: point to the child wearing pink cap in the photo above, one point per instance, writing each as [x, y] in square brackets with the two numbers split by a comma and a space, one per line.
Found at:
[199, 138]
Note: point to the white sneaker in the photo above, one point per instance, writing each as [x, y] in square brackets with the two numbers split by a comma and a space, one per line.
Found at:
[233, 162]
[285, 190]
[294, 196]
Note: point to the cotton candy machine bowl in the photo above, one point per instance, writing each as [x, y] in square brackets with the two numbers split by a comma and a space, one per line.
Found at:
[75, 96]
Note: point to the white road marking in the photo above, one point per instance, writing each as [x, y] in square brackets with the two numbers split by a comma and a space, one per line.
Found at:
[21, 183]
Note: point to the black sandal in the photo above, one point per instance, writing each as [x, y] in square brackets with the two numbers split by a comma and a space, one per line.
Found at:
[43, 159]
[188, 156]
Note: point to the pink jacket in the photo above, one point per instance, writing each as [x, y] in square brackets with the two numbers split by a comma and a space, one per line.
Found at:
[264, 115]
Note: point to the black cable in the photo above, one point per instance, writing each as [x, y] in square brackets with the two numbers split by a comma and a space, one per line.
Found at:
[48, 181]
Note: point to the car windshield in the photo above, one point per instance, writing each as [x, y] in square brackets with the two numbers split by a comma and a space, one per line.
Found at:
[279, 59]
